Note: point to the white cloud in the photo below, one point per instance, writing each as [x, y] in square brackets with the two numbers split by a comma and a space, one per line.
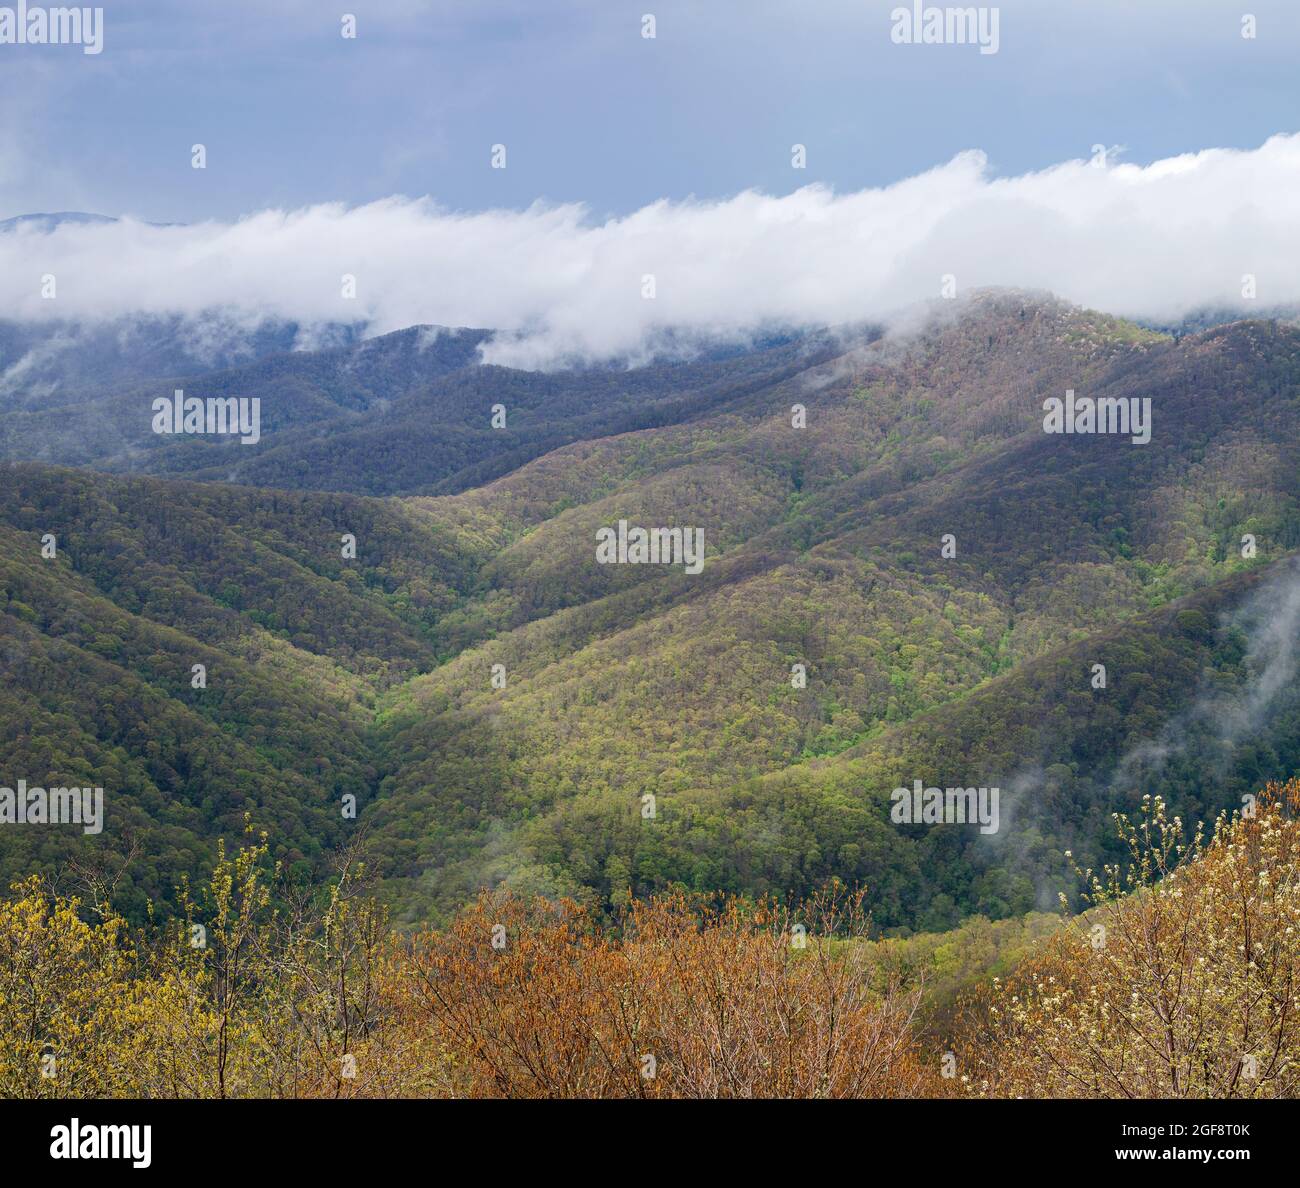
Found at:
[1153, 241]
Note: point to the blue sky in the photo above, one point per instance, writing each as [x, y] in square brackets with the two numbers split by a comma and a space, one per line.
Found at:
[292, 114]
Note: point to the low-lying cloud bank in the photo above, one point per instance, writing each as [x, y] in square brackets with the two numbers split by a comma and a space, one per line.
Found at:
[1152, 241]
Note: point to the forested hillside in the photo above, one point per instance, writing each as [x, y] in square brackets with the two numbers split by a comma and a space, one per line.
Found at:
[407, 412]
[905, 579]
[151, 578]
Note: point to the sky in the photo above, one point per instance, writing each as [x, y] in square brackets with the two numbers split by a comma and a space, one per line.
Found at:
[629, 157]
[291, 113]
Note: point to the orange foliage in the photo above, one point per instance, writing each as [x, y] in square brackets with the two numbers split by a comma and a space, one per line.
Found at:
[690, 1002]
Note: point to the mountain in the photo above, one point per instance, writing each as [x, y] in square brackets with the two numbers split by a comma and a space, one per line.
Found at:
[98, 646]
[374, 677]
[57, 371]
[60, 363]
[404, 413]
[827, 552]
[44, 223]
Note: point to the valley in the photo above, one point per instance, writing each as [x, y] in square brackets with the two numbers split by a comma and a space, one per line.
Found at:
[372, 677]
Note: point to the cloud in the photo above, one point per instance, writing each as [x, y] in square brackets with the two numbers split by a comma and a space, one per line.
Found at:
[1151, 241]
[1219, 719]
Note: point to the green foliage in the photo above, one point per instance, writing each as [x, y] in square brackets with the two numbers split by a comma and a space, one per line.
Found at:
[372, 678]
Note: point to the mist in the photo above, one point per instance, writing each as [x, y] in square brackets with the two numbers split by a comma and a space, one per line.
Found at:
[1152, 242]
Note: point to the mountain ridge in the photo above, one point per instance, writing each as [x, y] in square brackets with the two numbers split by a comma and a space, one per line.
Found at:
[823, 548]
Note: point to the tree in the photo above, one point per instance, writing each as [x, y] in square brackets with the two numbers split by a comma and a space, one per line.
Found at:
[1180, 981]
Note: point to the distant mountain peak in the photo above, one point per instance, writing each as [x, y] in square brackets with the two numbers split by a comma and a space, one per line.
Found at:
[49, 221]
